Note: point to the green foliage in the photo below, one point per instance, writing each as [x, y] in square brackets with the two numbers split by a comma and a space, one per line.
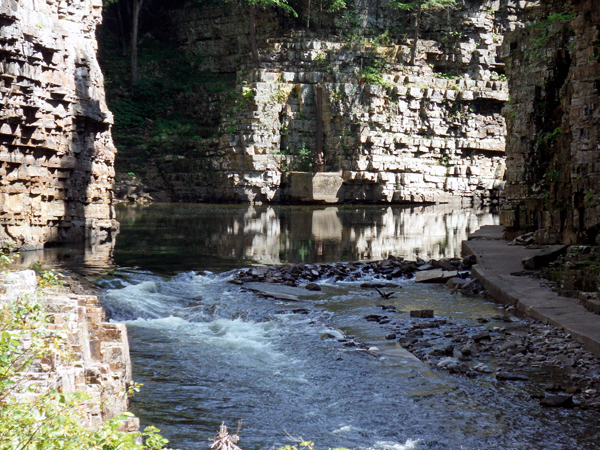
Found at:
[374, 74]
[155, 118]
[565, 16]
[281, 96]
[336, 5]
[447, 76]
[336, 95]
[49, 278]
[320, 59]
[300, 159]
[302, 445]
[501, 76]
[590, 198]
[551, 138]
[266, 4]
[537, 48]
[384, 39]
[304, 158]
[452, 37]
[7, 255]
[36, 266]
[248, 94]
[412, 5]
[351, 17]
[35, 417]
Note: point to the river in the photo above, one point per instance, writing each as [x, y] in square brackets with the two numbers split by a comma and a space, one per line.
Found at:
[209, 351]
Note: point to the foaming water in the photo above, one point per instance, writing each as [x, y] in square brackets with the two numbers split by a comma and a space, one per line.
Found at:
[410, 444]
[209, 351]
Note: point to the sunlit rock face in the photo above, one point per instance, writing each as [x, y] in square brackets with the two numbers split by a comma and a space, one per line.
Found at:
[553, 144]
[395, 132]
[56, 150]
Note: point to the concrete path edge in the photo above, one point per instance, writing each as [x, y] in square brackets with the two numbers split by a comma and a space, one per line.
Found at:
[525, 294]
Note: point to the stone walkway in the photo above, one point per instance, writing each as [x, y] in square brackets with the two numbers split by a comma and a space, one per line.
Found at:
[496, 261]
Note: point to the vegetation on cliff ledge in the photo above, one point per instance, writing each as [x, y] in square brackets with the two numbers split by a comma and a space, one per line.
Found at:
[34, 414]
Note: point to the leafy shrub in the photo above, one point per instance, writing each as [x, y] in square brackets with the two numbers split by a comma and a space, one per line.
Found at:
[374, 74]
[7, 255]
[34, 417]
[49, 278]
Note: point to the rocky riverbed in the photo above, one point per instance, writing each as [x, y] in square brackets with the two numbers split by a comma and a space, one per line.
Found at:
[557, 370]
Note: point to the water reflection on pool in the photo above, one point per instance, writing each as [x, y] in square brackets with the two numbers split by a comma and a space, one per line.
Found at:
[223, 236]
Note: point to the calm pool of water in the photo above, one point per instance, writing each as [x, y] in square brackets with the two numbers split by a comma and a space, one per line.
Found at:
[174, 237]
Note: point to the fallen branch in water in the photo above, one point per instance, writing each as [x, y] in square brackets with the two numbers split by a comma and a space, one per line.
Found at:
[225, 441]
[385, 294]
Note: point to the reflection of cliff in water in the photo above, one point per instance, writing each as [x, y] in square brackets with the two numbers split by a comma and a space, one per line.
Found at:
[180, 237]
[375, 233]
[92, 258]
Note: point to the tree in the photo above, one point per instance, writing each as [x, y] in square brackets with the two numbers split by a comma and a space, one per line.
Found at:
[134, 8]
[321, 7]
[417, 7]
[253, 5]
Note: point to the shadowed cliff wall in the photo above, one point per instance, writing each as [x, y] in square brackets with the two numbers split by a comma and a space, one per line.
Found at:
[553, 142]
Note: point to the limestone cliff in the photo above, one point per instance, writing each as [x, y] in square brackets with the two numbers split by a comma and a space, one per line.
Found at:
[96, 356]
[553, 145]
[56, 150]
[391, 132]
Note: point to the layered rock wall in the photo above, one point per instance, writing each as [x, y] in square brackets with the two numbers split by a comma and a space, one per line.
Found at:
[397, 133]
[56, 151]
[553, 145]
[96, 359]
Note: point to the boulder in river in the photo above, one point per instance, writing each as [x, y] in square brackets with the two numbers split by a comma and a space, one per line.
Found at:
[509, 376]
[469, 261]
[435, 276]
[278, 296]
[484, 335]
[558, 400]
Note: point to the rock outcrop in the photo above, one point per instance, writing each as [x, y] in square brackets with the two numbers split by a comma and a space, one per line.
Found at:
[553, 145]
[432, 132]
[56, 150]
[96, 360]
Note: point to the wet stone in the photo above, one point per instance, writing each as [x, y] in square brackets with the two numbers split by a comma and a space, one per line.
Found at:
[467, 350]
[414, 333]
[375, 318]
[422, 313]
[558, 400]
[485, 335]
[388, 308]
[509, 376]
